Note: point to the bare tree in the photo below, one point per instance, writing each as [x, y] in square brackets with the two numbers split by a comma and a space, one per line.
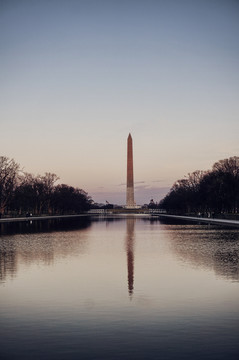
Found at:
[230, 166]
[8, 179]
[34, 193]
[48, 181]
[228, 170]
[215, 191]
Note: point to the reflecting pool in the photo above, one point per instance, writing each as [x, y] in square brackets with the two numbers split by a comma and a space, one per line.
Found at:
[119, 288]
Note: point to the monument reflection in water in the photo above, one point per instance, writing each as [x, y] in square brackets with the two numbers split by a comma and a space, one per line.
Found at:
[130, 253]
[119, 288]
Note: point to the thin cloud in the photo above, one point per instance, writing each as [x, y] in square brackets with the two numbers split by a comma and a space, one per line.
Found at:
[136, 182]
[143, 195]
[142, 187]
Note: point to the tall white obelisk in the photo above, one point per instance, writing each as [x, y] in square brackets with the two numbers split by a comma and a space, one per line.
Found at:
[130, 176]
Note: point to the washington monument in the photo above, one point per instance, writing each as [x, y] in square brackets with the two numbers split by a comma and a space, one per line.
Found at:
[130, 176]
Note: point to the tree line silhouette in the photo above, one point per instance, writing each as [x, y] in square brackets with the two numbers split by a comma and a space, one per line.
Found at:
[215, 191]
[22, 193]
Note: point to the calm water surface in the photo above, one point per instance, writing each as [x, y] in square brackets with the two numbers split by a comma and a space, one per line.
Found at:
[119, 288]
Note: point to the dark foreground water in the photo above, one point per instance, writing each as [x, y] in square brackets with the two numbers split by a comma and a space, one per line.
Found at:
[119, 289]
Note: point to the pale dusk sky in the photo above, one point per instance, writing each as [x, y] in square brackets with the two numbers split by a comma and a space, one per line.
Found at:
[77, 76]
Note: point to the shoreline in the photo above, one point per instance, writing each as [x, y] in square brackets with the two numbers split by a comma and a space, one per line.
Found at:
[201, 219]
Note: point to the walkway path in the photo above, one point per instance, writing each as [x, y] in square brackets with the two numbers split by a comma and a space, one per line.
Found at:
[206, 220]
[30, 218]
